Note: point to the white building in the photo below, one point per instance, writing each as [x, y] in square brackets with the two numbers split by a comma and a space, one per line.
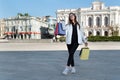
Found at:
[24, 27]
[95, 20]
[51, 25]
[2, 28]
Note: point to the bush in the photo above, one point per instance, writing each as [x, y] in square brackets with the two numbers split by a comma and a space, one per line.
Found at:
[103, 38]
[62, 39]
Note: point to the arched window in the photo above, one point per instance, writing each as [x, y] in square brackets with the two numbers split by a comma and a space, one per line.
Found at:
[7, 29]
[106, 33]
[13, 29]
[98, 22]
[90, 33]
[98, 33]
[106, 21]
[90, 22]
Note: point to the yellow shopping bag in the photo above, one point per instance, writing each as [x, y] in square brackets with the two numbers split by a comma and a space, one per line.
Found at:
[84, 53]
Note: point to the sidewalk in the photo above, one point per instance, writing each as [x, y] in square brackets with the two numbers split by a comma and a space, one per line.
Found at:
[56, 46]
[3, 40]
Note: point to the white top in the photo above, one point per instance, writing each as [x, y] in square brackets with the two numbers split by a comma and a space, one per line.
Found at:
[81, 37]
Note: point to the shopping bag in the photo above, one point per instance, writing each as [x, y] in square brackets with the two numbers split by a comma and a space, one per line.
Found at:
[56, 29]
[84, 53]
[60, 29]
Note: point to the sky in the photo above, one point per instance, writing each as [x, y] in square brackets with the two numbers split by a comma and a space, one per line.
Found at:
[10, 8]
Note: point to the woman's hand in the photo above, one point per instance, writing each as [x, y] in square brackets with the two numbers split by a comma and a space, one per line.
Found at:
[86, 44]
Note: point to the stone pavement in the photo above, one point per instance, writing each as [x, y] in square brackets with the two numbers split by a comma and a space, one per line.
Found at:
[46, 61]
[48, 65]
[56, 46]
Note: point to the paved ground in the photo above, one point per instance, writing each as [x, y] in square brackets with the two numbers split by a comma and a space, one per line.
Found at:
[56, 46]
[46, 61]
[48, 65]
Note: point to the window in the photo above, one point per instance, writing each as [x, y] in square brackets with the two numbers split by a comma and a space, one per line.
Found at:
[21, 28]
[6, 29]
[22, 22]
[98, 22]
[13, 29]
[106, 21]
[11, 22]
[106, 33]
[90, 22]
[90, 33]
[98, 33]
[30, 28]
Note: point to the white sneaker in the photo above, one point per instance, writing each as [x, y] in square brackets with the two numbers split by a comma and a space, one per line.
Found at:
[65, 72]
[73, 70]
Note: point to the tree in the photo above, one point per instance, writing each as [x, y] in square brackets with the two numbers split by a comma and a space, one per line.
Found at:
[25, 14]
[20, 14]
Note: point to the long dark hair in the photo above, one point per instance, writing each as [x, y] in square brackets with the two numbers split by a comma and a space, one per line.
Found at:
[70, 21]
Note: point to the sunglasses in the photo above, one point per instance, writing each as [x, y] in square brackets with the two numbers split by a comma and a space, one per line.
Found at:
[71, 15]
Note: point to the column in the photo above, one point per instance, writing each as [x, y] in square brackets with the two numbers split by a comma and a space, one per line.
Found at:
[94, 20]
[102, 32]
[94, 32]
[116, 18]
[102, 20]
[111, 19]
[86, 20]
[109, 33]
[81, 20]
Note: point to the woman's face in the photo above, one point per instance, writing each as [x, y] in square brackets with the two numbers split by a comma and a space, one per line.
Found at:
[72, 17]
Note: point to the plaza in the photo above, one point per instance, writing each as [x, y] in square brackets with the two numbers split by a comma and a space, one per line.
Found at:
[46, 61]
[28, 52]
[36, 46]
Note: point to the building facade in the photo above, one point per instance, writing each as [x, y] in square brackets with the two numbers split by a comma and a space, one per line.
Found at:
[52, 24]
[49, 31]
[24, 27]
[97, 20]
[2, 28]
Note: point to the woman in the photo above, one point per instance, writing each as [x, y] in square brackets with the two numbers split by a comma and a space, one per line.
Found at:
[74, 38]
